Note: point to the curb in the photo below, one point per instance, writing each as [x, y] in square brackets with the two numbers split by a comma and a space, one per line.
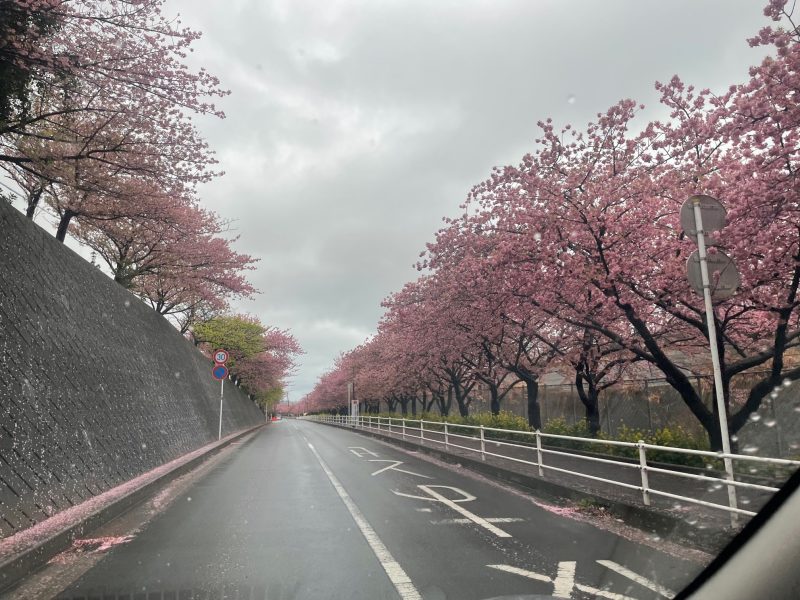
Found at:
[646, 519]
[22, 563]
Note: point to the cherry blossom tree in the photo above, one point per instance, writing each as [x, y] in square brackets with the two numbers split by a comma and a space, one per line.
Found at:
[108, 58]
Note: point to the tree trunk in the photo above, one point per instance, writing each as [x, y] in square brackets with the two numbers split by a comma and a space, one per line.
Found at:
[531, 381]
[414, 405]
[495, 399]
[63, 225]
[590, 402]
[461, 401]
[33, 202]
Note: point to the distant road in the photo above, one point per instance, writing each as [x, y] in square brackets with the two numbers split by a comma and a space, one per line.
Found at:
[304, 510]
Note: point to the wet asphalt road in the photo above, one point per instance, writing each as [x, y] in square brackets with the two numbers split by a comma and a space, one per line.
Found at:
[304, 510]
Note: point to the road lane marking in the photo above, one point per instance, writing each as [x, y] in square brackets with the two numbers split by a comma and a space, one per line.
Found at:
[466, 521]
[523, 572]
[453, 504]
[601, 593]
[401, 581]
[393, 467]
[565, 579]
[355, 450]
[466, 497]
[610, 564]
[564, 583]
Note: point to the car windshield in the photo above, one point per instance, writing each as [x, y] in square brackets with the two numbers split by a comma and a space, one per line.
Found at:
[351, 299]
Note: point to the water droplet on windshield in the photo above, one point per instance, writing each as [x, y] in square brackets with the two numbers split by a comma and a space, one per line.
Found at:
[734, 438]
[755, 417]
[750, 449]
[745, 501]
[177, 374]
[571, 99]
[127, 303]
[787, 382]
[537, 236]
[144, 446]
[188, 498]
[770, 422]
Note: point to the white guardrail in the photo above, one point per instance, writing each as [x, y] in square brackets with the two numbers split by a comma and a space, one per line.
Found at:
[416, 429]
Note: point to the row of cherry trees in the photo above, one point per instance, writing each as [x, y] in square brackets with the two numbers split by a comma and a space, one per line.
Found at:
[96, 105]
[575, 259]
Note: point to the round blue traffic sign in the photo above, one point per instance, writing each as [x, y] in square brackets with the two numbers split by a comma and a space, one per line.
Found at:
[219, 372]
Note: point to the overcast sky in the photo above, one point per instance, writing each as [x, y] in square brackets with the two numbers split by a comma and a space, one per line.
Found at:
[353, 127]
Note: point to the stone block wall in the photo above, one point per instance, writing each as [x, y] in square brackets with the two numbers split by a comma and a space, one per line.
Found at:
[95, 387]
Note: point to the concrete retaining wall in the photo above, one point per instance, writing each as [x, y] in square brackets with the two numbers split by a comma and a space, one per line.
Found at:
[95, 387]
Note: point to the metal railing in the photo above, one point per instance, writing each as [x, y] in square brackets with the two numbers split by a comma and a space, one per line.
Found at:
[452, 435]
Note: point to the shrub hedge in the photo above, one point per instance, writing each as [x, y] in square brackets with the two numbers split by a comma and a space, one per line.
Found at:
[676, 437]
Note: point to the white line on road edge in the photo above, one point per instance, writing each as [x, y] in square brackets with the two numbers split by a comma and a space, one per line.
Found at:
[401, 581]
[610, 564]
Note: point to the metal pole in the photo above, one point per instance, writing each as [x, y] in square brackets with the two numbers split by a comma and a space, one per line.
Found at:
[446, 441]
[643, 467]
[221, 391]
[712, 340]
[539, 452]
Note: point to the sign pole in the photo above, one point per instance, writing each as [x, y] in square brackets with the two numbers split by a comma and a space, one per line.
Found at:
[221, 391]
[712, 340]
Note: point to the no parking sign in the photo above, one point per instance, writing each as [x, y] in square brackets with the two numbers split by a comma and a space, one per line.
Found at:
[219, 372]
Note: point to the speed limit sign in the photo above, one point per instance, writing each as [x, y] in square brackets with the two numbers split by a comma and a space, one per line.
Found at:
[220, 357]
